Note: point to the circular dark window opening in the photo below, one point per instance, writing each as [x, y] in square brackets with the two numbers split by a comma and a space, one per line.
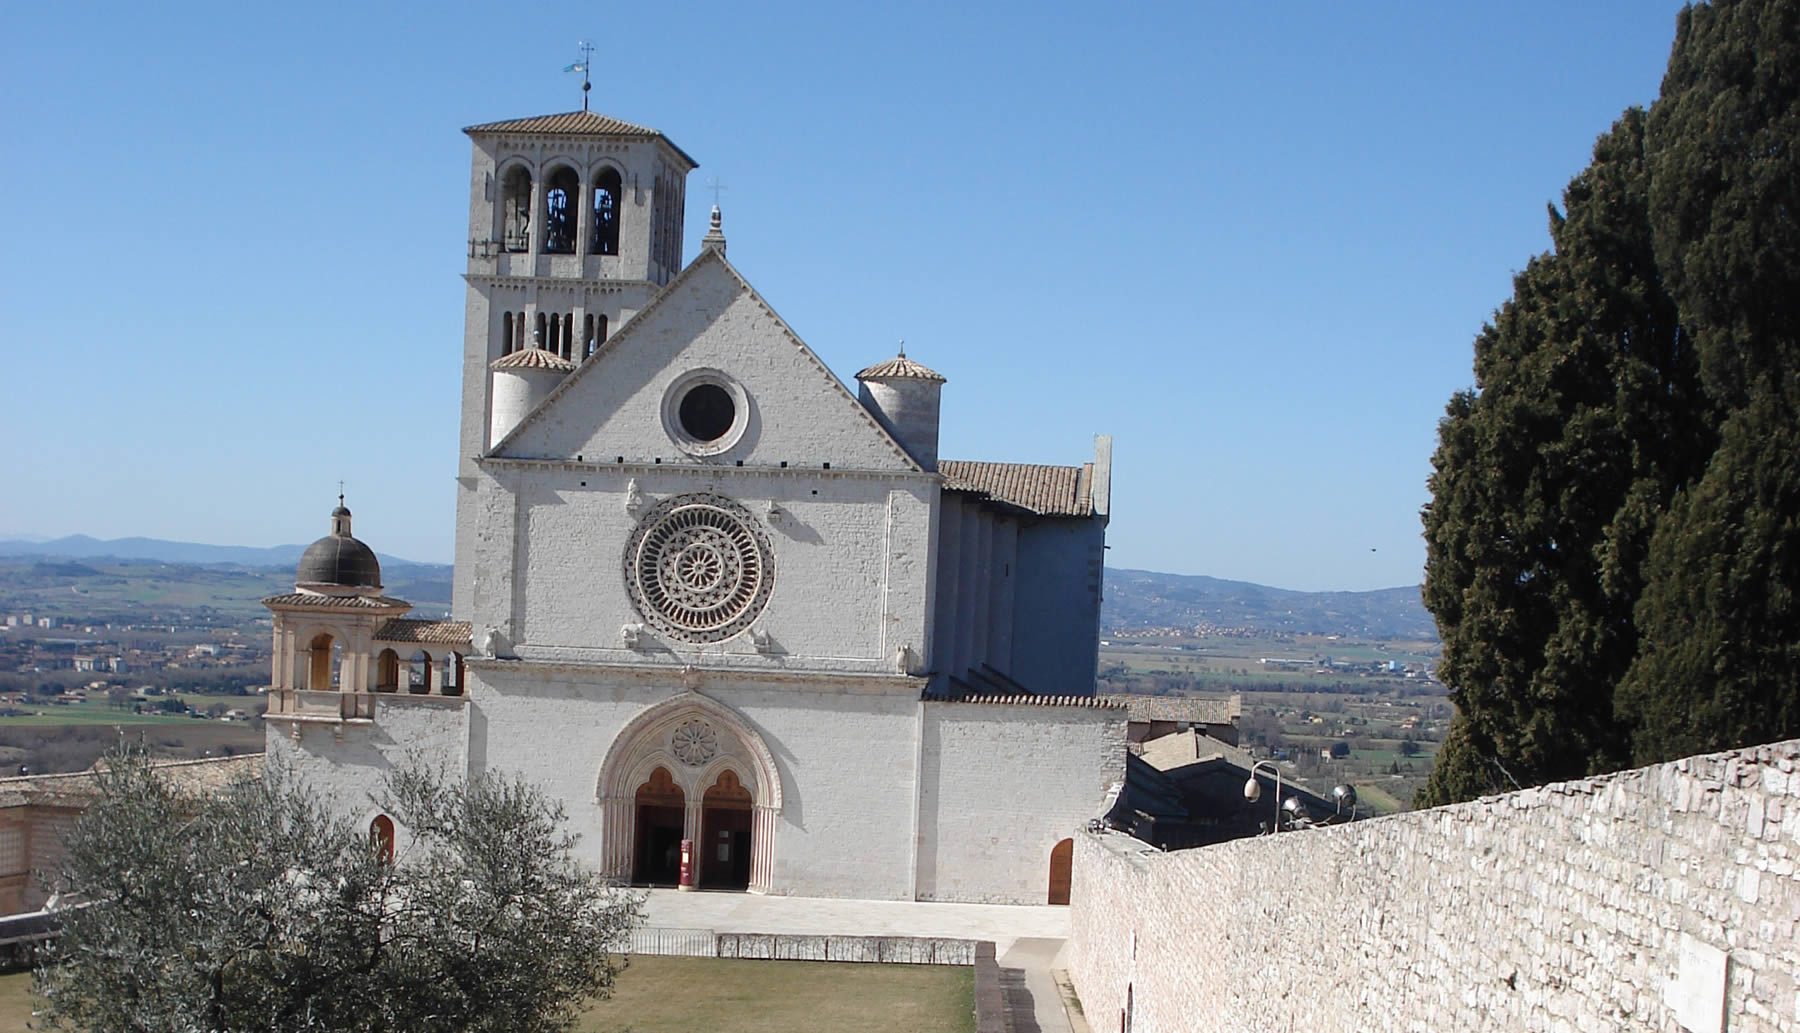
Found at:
[707, 412]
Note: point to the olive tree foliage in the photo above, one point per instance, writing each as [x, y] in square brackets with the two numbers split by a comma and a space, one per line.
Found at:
[258, 908]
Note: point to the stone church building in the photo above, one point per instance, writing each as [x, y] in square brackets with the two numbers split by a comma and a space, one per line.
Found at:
[705, 592]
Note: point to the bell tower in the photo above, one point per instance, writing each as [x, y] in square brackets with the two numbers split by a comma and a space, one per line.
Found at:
[575, 223]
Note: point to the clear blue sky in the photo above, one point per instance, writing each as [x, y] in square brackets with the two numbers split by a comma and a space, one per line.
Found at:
[1251, 241]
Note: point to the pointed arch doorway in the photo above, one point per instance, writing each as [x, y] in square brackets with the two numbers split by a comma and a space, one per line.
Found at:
[725, 847]
[661, 810]
[690, 767]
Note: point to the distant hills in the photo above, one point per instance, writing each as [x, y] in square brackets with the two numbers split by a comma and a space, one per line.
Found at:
[80, 546]
[1147, 599]
[1134, 598]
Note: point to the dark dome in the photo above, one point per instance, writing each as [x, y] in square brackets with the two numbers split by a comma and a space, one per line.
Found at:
[339, 560]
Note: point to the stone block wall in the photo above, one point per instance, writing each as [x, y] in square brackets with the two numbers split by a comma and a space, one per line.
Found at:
[1663, 898]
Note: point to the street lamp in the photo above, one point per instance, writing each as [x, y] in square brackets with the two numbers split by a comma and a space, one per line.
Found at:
[1343, 798]
[1253, 789]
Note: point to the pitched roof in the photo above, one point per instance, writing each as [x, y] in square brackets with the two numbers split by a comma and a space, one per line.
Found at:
[407, 629]
[1179, 749]
[533, 358]
[1025, 700]
[337, 602]
[1205, 710]
[1061, 491]
[576, 123]
[209, 775]
[900, 368]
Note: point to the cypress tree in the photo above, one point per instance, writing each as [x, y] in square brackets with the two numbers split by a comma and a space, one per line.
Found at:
[1720, 661]
[1546, 484]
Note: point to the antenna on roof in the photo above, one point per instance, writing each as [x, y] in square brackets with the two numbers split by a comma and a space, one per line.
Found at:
[903, 347]
[583, 66]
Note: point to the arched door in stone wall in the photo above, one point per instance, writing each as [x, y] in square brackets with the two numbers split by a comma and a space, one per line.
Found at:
[1062, 864]
[661, 806]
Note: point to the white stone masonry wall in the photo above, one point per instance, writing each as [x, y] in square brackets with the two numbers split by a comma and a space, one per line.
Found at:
[1664, 898]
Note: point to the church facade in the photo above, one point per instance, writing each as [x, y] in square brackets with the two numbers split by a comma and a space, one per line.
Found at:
[740, 619]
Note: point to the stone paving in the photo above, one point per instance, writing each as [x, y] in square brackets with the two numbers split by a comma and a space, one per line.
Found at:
[1028, 940]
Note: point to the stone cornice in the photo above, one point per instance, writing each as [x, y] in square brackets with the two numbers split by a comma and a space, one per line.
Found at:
[599, 286]
[689, 466]
[705, 677]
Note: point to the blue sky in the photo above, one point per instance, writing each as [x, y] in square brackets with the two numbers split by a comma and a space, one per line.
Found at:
[1253, 242]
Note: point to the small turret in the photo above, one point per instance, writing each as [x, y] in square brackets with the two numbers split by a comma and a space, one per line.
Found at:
[904, 398]
[522, 380]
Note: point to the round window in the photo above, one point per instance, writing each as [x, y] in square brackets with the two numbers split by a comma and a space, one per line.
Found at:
[707, 412]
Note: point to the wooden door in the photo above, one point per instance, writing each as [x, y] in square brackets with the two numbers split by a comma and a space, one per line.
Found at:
[1062, 863]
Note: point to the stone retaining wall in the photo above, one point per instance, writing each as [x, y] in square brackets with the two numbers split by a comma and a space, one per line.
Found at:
[1664, 898]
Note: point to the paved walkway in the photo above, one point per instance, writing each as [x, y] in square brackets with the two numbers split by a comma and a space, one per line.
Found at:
[1028, 940]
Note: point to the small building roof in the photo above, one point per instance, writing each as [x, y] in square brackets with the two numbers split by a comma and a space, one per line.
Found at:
[1200, 710]
[900, 368]
[533, 358]
[1057, 491]
[408, 629]
[576, 123]
[76, 788]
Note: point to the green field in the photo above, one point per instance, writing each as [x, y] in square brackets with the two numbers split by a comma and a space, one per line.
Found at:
[100, 712]
[681, 995]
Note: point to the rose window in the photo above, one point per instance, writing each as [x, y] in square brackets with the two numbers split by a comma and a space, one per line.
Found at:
[698, 569]
[695, 743]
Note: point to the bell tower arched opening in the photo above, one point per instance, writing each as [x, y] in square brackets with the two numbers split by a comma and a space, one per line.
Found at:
[606, 213]
[515, 209]
[661, 811]
[562, 189]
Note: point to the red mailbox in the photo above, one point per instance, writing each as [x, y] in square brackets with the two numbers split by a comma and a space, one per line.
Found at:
[687, 864]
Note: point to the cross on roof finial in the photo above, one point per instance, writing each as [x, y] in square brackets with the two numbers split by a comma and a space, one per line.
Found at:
[584, 66]
[340, 493]
[716, 187]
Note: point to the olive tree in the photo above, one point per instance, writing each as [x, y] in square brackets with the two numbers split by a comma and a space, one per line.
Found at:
[259, 907]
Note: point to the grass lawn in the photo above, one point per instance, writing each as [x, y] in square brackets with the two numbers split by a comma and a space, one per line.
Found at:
[679, 995]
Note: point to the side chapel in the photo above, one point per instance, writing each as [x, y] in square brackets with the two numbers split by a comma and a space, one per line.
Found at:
[706, 592]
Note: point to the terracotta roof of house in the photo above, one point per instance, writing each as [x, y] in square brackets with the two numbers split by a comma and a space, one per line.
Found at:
[533, 358]
[78, 787]
[1206, 710]
[900, 368]
[407, 629]
[575, 123]
[338, 602]
[1090, 702]
[1060, 491]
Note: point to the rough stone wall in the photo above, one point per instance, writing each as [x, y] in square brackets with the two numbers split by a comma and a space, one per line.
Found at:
[1598, 904]
[1000, 786]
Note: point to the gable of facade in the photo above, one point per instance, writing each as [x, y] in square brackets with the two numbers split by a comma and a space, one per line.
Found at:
[708, 329]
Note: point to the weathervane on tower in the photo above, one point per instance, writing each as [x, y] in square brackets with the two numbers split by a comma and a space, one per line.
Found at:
[583, 66]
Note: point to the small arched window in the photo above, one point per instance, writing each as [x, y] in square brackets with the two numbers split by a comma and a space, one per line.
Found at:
[560, 192]
[606, 213]
[515, 209]
[381, 838]
[419, 676]
[506, 333]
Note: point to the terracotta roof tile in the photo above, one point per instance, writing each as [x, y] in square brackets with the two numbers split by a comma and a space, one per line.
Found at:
[576, 123]
[533, 358]
[900, 368]
[1026, 700]
[407, 629]
[338, 602]
[77, 787]
[1045, 490]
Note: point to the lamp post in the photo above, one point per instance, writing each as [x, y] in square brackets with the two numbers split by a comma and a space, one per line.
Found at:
[1253, 789]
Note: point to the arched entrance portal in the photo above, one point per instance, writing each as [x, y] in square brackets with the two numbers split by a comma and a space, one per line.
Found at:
[661, 810]
[712, 780]
[725, 848]
[1062, 864]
